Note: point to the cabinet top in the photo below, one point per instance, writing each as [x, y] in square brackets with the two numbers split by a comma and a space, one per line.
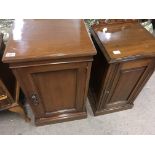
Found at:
[120, 42]
[32, 40]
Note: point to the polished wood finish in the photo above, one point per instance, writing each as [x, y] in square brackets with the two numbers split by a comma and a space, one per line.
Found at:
[52, 64]
[121, 38]
[48, 39]
[117, 79]
[9, 89]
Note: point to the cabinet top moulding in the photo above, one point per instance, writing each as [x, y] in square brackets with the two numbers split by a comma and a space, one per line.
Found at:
[122, 42]
[33, 40]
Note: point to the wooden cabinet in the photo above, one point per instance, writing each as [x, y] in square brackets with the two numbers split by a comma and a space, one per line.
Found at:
[52, 63]
[124, 62]
[9, 88]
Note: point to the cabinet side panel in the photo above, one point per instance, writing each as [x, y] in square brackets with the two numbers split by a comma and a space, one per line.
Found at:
[98, 75]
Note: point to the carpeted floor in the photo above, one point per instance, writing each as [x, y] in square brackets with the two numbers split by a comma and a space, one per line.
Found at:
[139, 120]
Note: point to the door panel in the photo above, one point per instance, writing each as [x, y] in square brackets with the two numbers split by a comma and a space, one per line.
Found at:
[128, 81]
[61, 86]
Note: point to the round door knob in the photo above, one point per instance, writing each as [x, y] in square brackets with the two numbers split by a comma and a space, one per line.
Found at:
[34, 99]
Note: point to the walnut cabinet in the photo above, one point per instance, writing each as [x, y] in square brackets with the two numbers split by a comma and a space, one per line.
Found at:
[52, 62]
[124, 62]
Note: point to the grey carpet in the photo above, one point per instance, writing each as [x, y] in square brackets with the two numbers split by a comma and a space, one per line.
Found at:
[139, 120]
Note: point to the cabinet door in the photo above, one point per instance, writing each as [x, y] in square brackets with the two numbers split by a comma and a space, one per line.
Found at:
[55, 89]
[130, 78]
